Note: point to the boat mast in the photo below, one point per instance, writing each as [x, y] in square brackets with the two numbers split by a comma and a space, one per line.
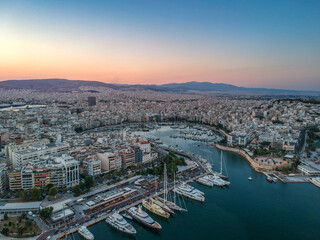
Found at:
[174, 187]
[221, 163]
[165, 182]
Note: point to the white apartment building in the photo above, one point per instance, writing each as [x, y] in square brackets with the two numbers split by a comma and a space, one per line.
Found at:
[20, 158]
[27, 181]
[92, 166]
[144, 146]
[13, 147]
[71, 168]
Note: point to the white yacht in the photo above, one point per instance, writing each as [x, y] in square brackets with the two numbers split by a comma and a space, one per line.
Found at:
[118, 222]
[205, 181]
[218, 181]
[189, 192]
[141, 216]
[84, 232]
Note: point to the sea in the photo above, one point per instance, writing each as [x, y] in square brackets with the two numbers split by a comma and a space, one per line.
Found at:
[246, 210]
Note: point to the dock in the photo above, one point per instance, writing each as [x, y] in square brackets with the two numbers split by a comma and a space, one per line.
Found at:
[104, 216]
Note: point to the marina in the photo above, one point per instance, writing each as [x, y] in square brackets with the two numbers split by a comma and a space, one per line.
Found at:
[233, 161]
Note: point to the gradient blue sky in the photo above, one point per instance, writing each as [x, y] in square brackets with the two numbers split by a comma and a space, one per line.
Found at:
[246, 43]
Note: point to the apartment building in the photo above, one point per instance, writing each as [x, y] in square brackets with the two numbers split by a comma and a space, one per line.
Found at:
[110, 161]
[20, 158]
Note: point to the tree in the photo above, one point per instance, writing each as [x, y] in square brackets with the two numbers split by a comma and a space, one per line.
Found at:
[88, 181]
[20, 230]
[28, 223]
[25, 195]
[35, 194]
[46, 212]
[5, 231]
[53, 191]
[77, 191]
[82, 186]
[5, 217]
[22, 216]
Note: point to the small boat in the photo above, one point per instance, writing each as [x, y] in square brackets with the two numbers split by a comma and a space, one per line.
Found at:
[84, 232]
[250, 178]
[119, 223]
[154, 208]
[274, 179]
[269, 179]
[141, 216]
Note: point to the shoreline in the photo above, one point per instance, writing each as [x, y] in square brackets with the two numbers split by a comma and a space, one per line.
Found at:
[256, 166]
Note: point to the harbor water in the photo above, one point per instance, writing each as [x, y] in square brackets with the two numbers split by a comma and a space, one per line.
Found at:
[245, 210]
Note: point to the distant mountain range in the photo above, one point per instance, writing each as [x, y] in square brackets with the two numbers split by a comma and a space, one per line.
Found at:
[67, 85]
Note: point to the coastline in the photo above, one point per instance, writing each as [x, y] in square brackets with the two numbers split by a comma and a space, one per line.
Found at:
[256, 166]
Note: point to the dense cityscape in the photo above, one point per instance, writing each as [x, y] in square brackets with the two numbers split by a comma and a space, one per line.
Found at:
[159, 120]
[71, 158]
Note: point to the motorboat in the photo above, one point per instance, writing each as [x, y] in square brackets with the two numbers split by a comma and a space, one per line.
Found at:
[141, 216]
[155, 208]
[84, 232]
[118, 222]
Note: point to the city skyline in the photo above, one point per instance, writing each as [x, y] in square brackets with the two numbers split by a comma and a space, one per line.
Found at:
[251, 44]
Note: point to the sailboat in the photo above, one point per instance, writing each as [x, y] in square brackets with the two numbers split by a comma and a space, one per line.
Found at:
[164, 200]
[219, 174]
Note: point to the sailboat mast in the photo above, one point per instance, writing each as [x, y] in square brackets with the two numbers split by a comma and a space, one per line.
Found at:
[221, 163]
[174, 186]
[165, 182]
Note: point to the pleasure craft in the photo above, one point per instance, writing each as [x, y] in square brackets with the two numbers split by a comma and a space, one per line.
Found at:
[118, 222]
[141, 216]
[218, 181]
[189, 192]
[205, 181]
[154, 208]
[84, 232]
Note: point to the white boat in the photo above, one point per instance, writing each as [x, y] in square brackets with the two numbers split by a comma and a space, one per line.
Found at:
[218, 181]
[118, 222]
[84, 232]
[250, 178]
[141, 216]
[189, 192]
[205, 181]
[220, 174]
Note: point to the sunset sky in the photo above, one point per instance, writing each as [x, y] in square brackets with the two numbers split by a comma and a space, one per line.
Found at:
[246, 43]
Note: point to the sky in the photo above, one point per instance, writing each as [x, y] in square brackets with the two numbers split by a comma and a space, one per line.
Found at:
[273, 44]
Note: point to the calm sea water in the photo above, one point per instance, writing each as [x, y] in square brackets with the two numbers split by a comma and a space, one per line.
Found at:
[246, 210]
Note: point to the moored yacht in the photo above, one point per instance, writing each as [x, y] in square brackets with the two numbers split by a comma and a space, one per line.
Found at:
[162, 205]
[84, 232]
[155, 208]
[218, 181]
[205, 181]
[189, 192]
[171, 205]
[118, 222]
[141, 216]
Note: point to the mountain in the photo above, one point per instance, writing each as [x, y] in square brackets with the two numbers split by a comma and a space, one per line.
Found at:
[55, 84]
[50, 84]
[220, 87]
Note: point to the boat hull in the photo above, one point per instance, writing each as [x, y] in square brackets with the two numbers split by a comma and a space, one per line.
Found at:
[119, 228]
